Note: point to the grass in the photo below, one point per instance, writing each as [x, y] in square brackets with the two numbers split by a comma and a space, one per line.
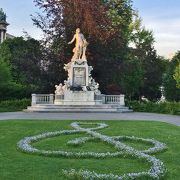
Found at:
[17, 165]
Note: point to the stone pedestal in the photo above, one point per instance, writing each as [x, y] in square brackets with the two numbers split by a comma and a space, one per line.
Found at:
[79, 98]
[80, 88]
[79, 73]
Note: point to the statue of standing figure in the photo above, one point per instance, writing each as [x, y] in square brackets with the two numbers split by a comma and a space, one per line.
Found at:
[81, 45]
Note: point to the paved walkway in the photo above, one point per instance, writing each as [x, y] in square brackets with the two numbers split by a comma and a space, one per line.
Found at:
[92, 116]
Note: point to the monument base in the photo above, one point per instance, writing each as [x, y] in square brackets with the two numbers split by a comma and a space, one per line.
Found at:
[78, 101]
[77, 98]
[103, 108]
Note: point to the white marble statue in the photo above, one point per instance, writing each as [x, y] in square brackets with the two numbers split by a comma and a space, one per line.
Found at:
[67, 67]
[59, 89]
[66, 85]
[96, 89]
[80, 47]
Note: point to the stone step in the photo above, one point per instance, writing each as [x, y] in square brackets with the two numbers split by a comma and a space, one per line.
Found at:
[78, 108]
[70, 106]
[77, 105]
[80, 111]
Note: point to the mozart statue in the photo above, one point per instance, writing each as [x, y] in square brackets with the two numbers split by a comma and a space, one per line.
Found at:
[80, 47]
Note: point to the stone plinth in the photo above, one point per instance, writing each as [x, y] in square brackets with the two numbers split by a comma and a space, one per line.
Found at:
[77, 98]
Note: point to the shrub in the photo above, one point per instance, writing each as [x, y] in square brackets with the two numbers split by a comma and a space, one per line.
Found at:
[16, 91]
[14, 105]
[164, 108]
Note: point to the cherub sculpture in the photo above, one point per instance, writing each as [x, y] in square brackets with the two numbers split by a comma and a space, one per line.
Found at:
[59, 89]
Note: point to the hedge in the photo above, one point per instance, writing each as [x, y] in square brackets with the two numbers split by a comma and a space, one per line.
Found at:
[14, 105]
[163, 108]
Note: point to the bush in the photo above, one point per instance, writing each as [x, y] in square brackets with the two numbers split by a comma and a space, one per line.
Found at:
[16, 91]
[14, 105]
[164, 108]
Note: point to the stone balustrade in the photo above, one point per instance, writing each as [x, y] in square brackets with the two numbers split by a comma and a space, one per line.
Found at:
[42, 99]
[114, 99]
[49, 99]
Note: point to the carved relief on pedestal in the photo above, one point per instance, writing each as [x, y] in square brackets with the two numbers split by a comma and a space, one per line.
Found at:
[79, 76]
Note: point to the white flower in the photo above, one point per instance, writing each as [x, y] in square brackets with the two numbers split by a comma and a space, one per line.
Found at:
[156, 171]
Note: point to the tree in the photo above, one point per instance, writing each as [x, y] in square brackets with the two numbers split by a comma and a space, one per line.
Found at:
[24, 58]
[109, 26]
[21, 69]
[5, 74]
[132, 78]
[177, 76]
[5, 78]
[172, 93]
[152, 65]
[105, 25]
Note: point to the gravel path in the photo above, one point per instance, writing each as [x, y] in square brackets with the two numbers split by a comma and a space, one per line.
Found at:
[175, 120]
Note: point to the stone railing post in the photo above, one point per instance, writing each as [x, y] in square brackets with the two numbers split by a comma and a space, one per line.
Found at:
[122, 102]
[51, 98]
[33, 101]
[103, 99]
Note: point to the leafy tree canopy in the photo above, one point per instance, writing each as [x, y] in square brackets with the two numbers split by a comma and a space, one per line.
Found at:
[24, 58]
[177, 75]
[172, 93]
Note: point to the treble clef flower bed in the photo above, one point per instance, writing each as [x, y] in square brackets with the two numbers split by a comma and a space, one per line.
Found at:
[156, 171]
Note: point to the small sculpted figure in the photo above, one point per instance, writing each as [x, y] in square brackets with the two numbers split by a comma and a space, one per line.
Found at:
[66, 85]
[96, 89]
[59, 89]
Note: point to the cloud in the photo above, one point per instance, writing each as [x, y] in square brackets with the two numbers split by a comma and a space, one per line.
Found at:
[31, 30]
[166, 32]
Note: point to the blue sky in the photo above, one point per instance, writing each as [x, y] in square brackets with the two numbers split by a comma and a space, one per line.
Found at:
[161, 16]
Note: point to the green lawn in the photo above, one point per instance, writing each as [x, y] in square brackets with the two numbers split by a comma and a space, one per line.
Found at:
[17, 165]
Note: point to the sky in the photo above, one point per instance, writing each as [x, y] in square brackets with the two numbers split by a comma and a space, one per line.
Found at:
[160, 16]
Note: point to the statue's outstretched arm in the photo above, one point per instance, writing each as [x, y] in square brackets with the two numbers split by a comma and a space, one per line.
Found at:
[72, 40]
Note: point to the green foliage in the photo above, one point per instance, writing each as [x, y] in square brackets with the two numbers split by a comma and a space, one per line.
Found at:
[109, 26]
[105, 24]
[120, 14]
[132, 77]
[41, 168]
[14, 105]
[17, 91]
[24, 57]
[5, 74]
[172, 93]
[164, 108]
[177, 76]
[20, 68]
[153, 66]
[154, 69]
